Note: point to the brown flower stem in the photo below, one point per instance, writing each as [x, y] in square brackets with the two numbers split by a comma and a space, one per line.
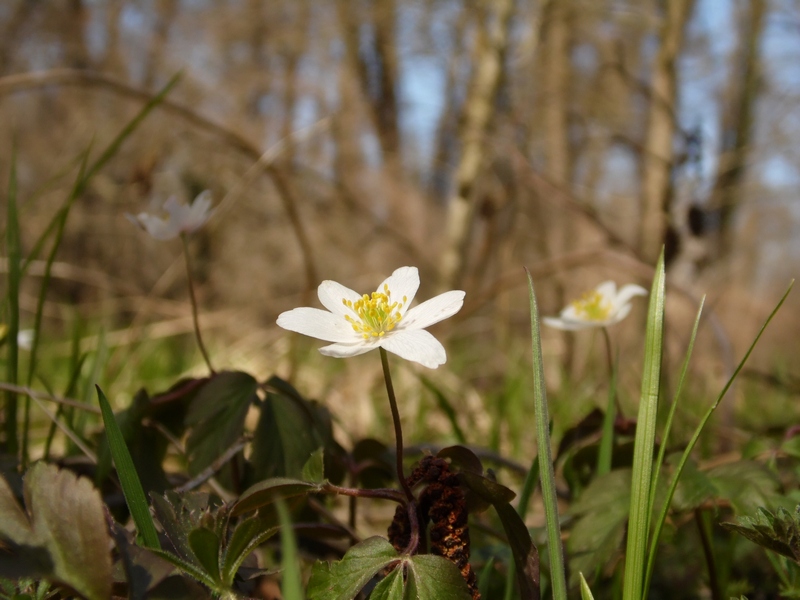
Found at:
[398, 430]
[194, 305]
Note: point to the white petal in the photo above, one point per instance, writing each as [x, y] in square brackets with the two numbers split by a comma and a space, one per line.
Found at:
[157, 227]
[318, 323]
[434, 310]
[347, 350]
[403, 283]
[627, 293]
[570, 313]
[607, 289]
[331, 294]
[416, 345]
[619, 315]
[568, 324]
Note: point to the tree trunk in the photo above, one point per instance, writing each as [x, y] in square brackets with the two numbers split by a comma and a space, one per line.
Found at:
[658, 145]
[478, 109]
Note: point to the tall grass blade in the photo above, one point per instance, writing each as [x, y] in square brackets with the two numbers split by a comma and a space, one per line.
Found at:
[659, 524]
[291, 585]
[554, 547]
[641, 480]
[128, 479]
[696, 435]
[12, 356]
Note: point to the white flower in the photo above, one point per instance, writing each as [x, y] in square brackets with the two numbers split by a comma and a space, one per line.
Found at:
[357, 324]
[182, 218]
[25, 339]
[601, 307]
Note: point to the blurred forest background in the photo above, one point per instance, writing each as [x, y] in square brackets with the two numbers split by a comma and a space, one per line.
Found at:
[344, 138]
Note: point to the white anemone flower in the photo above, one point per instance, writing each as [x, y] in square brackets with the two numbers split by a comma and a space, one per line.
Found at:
[600, 307]
[182, 218]
[25, 339]
[357, 324]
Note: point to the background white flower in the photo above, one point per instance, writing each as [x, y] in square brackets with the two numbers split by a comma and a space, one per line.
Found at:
[182, 218]
[357, 324]
[601, 307]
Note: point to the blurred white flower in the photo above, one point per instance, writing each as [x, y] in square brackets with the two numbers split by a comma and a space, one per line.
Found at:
[25, 339]
[601, 307]
[182, 218]
[357, 324]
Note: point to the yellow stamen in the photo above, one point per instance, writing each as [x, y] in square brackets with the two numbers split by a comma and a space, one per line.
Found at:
[375, 314]
[593, 306]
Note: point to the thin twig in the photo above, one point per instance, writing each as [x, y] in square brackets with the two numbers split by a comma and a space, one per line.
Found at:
[36, 395]
[67, 431]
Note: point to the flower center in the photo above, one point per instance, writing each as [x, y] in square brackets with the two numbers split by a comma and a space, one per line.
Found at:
[593, 306]
[374, 314]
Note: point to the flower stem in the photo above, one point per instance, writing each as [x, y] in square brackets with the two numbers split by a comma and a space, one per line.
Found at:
[194, 304]
[398, 431]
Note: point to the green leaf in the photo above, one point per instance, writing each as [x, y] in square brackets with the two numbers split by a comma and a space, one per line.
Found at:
[128, 478]
[391, 587]
[432, 577]
[246, 537]
[642, 496]
[491, 491]
[602, 513]
[526, 556]
[314, 469]
[205, 546]
[555, 548]
[271, 490]
[746, 484]
[778, 532]
[216, 417]
[63, 531]
[342, 580]
[285, 437]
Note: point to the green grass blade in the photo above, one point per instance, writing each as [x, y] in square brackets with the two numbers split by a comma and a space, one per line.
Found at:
[12, 356]
[586, 593]
[696, 435]
[659, 524]
[554, 547]
[291, 585]
[444, 405]
[129, 480]
[641, 483]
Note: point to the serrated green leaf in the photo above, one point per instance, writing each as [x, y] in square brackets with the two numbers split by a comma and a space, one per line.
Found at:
[342, 580]
[205, 546]
[190, 569]
[746, 484]
[314, 469]
[65, 527]
[128, 478]
[779, 532]
[216, 417]
[602, 512]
